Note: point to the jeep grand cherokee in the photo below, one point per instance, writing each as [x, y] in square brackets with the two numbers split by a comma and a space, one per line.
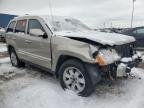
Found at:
[79, 56]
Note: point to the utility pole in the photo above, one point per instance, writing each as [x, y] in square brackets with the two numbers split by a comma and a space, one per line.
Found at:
[111, 25]
[133, 1]
[104, 24]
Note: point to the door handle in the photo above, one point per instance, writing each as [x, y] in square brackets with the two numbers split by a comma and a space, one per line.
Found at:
[28, 41]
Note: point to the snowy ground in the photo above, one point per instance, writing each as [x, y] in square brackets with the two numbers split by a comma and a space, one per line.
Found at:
[31, 88]
[2, 47]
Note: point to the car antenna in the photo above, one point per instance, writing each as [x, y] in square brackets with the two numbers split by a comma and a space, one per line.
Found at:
[51, 12]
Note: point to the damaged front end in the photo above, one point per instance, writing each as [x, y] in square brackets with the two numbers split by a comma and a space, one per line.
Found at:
[127, 63]
[117, 61]
[109, 56]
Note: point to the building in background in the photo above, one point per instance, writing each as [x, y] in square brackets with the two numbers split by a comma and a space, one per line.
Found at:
[5, 18]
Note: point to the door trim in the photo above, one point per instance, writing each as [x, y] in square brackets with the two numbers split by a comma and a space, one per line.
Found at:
[34, 56]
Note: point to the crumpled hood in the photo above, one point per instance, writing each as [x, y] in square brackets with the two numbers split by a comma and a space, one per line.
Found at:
[99, 37]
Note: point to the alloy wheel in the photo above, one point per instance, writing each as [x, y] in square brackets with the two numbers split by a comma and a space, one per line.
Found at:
[74, 79]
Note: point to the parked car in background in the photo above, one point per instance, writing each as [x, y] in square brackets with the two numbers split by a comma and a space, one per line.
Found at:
[79, 56]
[2, 35]
[138, 34]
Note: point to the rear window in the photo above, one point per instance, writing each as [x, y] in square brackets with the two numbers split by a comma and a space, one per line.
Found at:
[11, 26]
[21, 26]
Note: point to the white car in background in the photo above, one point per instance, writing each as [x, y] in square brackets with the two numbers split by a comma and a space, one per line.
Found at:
[2, 34]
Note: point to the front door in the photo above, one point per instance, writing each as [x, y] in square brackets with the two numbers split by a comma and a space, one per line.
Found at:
[38, 48]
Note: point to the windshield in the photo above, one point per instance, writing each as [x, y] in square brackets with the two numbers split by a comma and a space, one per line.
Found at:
[67, 24]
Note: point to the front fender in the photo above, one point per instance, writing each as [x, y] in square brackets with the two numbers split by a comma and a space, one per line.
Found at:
[83, 56]
[64, 46]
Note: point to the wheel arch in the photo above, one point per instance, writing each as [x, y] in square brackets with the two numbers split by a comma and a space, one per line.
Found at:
[61, 60]
[92, 69]
[9, 48]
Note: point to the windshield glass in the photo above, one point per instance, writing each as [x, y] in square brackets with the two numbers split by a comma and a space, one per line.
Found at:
[67, 24]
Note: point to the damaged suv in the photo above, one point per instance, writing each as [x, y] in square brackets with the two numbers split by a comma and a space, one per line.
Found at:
[79, 56]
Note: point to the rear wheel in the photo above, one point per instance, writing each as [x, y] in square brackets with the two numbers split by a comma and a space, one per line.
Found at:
[15, 60]
[73, 76]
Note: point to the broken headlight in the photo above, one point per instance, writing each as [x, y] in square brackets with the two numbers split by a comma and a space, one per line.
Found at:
[107, 56]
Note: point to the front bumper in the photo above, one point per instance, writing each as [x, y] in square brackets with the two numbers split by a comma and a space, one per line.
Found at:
[126, 64]
[118, 69]
[122, 67]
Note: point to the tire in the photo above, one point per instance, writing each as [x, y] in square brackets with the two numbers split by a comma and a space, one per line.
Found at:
[78, 80]
[15, 60]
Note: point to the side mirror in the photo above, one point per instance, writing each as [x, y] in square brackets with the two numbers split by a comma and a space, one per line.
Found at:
[45, 36]
[38, 32]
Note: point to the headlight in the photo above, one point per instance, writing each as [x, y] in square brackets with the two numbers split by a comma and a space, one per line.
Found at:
[107, 56]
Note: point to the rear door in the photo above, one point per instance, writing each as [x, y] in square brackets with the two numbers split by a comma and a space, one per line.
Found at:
[38, 48]
[20, 36]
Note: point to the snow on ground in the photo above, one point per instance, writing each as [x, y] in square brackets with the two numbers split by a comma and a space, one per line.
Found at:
[3, 47]
[32, 88]
[4, 60]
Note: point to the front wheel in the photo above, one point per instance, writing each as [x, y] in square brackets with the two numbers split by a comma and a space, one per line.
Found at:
[73, 76]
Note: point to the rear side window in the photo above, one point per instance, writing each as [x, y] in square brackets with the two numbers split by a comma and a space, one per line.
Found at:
[34, 24]
[21, 26]
[11, 26]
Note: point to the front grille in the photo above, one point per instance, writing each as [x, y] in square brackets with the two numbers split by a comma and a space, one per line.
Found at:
[125, 50]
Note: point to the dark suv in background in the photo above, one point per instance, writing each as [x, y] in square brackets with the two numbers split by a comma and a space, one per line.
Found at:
[138, 34]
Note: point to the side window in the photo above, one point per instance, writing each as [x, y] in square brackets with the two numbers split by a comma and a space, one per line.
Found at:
[11, 26]
[21, 26]
[140, 31]
[34, 24]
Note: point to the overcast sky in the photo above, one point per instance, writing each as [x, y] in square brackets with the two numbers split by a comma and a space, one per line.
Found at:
[92, 12]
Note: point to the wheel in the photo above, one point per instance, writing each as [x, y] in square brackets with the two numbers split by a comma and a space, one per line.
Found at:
[73, 76]
[15, 60]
